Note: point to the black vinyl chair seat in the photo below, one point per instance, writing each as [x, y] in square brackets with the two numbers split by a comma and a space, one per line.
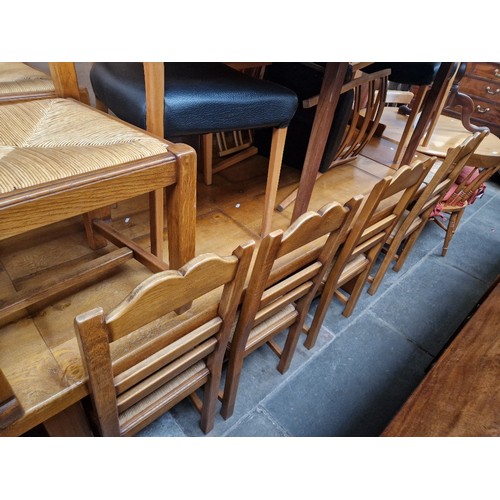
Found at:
[409, 73]
[200, 98]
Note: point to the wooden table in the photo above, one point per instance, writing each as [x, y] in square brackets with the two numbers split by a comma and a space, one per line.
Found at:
[460, 396]
[328, 98]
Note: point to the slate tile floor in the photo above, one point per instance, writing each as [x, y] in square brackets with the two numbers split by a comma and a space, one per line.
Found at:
[364, 367]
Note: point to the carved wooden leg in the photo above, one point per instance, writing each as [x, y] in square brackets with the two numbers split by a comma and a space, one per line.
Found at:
[450, 231]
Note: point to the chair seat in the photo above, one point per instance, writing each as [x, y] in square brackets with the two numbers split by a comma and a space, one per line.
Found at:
[18, 79]
[409, 73]
[53, 139]
[200, 98]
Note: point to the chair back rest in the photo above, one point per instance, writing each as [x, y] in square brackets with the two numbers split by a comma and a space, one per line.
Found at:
[142, 344]
[382, 209]
[291, 264]
[444, 176]
[65, 79]
[469, 181]
[369, 94]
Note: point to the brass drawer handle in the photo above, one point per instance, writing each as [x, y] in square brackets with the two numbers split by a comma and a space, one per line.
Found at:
[492, 92]
[497, 73]
[480, 109]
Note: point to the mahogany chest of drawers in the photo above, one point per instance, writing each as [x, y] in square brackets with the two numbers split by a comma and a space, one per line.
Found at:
[481, 82]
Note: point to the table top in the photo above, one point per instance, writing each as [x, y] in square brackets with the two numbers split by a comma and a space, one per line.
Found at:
[460, 396]
[449, 133]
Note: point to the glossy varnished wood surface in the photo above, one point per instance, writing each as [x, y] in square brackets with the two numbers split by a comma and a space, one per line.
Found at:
[39, 354]
[461, 394]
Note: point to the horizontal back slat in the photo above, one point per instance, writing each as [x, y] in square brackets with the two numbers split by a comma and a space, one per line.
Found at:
[164, 375]
[288, 284]
[141, 370]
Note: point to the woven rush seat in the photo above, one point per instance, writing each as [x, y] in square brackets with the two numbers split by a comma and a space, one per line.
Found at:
[60, 158]
[20, 80]
[53, 139]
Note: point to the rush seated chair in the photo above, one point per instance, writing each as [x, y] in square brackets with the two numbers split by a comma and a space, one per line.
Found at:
[414, 219]
[199, 99]
[380, 212]
[287, 272]
[142, 358]
[60, 158]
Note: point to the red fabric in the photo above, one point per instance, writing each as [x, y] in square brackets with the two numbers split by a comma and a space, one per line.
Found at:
[437, 212]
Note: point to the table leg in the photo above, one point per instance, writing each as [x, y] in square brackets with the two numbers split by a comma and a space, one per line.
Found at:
[71, 422]
[328, 98]
[431, 103]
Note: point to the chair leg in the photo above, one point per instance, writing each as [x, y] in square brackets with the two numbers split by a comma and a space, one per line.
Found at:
[324, 301]
[450, 231]
[407, 246]
[291, 342]
[379, 276]
[181, 211]
[207, 147]
[211, 390]
[359, 282]
[233, 375]
[156, 220]
[94, 240]
[275, 160]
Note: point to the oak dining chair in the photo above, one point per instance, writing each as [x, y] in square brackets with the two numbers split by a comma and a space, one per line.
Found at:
[287, 272]
[60, 158]
[142, 358]
[380, 212]
[402, 239]
[200, 99]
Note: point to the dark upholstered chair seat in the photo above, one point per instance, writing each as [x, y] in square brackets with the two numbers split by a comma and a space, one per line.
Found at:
[409, 73]
[200, 98]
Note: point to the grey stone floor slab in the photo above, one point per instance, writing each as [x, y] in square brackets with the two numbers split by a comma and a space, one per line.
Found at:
[164, 426]
[430, 303]
[257, 423]
[353, 386]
